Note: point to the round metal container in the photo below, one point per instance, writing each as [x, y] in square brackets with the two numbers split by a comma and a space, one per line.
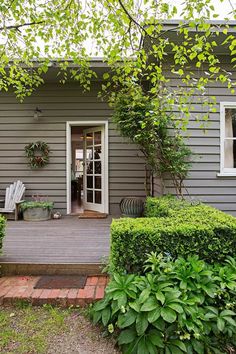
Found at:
[131, 207]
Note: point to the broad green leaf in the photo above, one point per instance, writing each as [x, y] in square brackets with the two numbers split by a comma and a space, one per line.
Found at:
[198, 346]
[144, 295]
[106, 314]
[174, 350]
[168, 315]
[154, 315]
[127, 336]
[159, 324]
[150, 347]
[126, 319]
[160, 296]
[179, 344]
[227, 313]
[97, 316]
[156, 338]
[220, 324]
[141, 323]
[176, 307]
[142, 348]
[150, 304]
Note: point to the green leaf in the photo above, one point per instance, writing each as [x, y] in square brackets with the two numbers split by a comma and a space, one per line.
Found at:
[174, 350]
[198, 346]
[106, 76]
[179, 344]
[150, 347]
[160, 296]
[150, 304]
[220, 324]
[168, 315]
[141, 348]
[106, 314]
[156, 338]
[159, 324]
[127, 336]
[126, 319]
[176, 307]
[144, 295]
[97, 316]
[230, 320]
[141, 323]
[227, 313]
[154, 315]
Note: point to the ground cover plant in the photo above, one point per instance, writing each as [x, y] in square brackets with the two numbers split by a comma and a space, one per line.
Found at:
[177, 306]
[181, 229]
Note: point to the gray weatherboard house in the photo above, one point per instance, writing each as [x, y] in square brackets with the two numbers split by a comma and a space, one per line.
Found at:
[68, 119]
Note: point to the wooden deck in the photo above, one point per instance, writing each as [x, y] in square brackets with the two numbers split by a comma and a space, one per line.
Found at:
[59, 245]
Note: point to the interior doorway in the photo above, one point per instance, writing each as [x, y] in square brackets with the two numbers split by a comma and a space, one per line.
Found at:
[87, 168]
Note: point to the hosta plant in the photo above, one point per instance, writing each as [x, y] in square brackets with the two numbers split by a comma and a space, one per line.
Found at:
[181, 306]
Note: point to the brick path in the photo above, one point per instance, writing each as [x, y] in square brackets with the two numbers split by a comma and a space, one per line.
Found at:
[21, 288]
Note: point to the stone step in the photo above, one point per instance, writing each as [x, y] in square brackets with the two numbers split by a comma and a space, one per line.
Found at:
[21, 288]
[17, 268]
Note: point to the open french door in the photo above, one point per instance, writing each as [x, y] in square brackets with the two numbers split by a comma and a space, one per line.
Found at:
[94, 166]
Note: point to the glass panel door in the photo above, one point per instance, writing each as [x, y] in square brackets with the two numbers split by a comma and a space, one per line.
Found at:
[94, 169]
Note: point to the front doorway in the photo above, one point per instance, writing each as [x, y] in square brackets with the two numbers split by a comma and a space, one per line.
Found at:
[87, 168]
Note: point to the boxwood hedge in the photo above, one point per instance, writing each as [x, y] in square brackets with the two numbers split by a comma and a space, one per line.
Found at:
[196, 230]
[2, 230]
[165, 206]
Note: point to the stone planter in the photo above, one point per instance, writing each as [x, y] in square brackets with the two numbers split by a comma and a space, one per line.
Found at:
[132, 207]
[37, 214]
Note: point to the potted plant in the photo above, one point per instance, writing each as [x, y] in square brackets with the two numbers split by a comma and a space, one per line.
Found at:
[37, 210]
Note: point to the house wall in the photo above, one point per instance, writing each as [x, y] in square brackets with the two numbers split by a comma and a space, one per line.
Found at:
[61, 103]
[203, 182]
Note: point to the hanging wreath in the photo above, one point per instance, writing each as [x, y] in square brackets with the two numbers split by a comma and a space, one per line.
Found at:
[38, 154]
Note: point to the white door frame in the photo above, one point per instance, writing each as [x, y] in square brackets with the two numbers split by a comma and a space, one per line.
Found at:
[94, 123]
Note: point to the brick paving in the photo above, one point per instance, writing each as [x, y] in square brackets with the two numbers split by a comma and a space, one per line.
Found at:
[21, 288]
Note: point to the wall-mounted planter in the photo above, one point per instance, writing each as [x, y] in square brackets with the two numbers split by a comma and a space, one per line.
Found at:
[132, 207]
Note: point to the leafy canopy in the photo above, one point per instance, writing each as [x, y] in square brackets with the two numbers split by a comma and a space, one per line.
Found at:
[131, 37]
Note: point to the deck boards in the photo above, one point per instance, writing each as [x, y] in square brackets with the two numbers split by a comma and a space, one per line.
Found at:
[68, 240]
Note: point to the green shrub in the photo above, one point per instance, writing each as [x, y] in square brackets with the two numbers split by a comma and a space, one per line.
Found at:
[199, 230]
[165, 206]
[181, 306]
[2, 230]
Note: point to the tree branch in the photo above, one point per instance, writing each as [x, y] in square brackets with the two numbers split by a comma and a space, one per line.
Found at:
[17, 27]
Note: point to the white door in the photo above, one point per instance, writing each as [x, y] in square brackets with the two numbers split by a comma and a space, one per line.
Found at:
[94, 173]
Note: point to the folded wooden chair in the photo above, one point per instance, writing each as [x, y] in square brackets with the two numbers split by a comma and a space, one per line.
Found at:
[13, 199]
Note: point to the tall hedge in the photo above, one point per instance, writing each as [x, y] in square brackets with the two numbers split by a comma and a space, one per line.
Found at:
[2, 230]
[198, 229]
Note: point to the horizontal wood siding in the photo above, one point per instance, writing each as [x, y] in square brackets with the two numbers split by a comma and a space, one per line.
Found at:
[61, 103]
[203, 183]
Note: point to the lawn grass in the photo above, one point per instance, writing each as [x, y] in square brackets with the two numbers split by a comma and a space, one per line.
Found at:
[27, 329]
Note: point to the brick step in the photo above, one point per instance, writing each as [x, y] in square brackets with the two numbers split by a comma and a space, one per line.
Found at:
[21, 288]
[17, 268]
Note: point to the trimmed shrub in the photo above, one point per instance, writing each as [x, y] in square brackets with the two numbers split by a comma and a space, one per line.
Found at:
[181, 306]
[199, 230]
[165, 206]
[2, 230]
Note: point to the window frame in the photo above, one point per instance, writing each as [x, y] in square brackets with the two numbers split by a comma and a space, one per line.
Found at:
[225, 171]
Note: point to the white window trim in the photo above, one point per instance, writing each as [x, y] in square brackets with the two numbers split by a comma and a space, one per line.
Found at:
[224, 172]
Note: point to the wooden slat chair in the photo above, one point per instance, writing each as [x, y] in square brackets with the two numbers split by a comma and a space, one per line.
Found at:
[13, 199]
